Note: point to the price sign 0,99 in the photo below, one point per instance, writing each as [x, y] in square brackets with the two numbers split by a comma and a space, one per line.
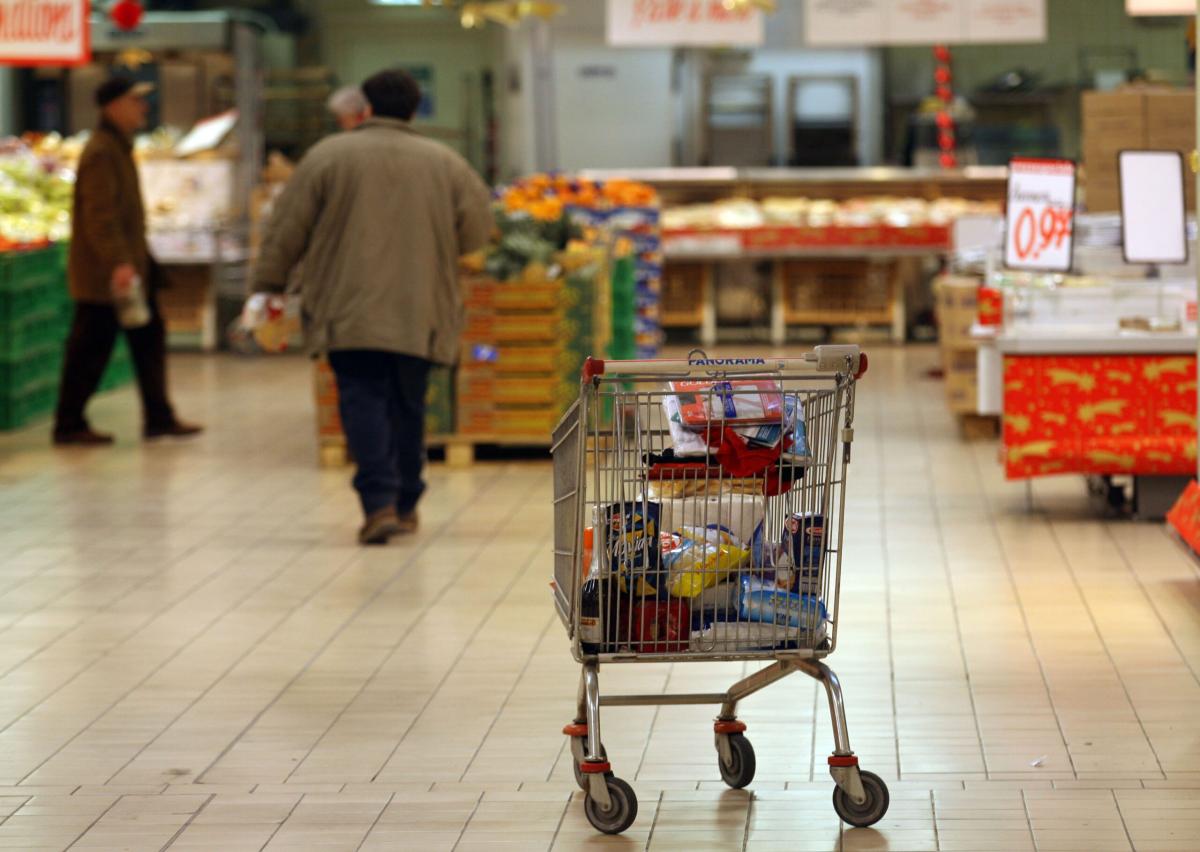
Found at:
[1040, 219]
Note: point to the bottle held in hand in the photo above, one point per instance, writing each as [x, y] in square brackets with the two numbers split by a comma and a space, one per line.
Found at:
[129, 299]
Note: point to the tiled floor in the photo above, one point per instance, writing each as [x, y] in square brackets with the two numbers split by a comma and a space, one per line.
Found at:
[194, 655]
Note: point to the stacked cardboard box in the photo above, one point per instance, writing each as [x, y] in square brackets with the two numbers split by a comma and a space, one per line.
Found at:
[525, 345]
[331, 440]
[1126, 119]
[957, 309]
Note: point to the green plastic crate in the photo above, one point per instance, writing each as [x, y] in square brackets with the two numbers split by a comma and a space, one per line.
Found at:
[21, 408]
[33, 368]
[32, 333]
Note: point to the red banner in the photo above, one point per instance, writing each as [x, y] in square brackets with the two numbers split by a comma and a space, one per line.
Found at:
[1118, 414]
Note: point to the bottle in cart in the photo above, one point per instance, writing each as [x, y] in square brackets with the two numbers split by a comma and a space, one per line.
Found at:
[591, 598]
[131, 306]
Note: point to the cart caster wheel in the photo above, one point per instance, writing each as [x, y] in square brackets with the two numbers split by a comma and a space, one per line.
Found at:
[619, 815]
[870, 811]
[739, 772]
[580, 778]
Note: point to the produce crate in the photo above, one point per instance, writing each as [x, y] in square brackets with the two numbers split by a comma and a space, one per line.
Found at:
[33, 332]
[33, 402]
[833, 292]
[684, 293]
[32, 368]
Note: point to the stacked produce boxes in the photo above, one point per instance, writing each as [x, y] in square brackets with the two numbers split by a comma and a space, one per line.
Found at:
[331, 441]
[35, 316]
[525, 344]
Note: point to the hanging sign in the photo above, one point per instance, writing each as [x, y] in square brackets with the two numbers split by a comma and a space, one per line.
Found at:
[1039, 223]
[1160, 7]
[1153, 207]
[665, 23]
[859, 23]
[44, 32]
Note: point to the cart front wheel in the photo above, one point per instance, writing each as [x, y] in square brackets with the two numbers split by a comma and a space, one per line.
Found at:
[873, 807]
[580, 778]
[739, 772]
[621, 812]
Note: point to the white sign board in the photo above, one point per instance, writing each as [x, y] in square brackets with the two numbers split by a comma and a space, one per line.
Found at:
[44, 32]
[667, 23]
[1004, 21]
[1160, 7]
[1039, 222]
[863, 23]
[1153, 207]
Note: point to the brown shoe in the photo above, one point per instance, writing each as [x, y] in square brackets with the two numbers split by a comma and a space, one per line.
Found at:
[379, 527]
[408, 522]
[82, 438]
[178, 429]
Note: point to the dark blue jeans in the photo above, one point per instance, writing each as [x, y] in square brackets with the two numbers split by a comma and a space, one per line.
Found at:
[381, 399]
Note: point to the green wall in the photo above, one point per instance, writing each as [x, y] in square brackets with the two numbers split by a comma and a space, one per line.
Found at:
[1076, 27]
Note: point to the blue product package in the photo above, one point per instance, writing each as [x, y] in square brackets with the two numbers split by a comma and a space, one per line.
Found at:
[632, 545]
[804, 545]
[766, 603]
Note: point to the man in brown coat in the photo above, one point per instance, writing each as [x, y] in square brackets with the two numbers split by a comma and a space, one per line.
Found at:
[108, 255]
[380, 216]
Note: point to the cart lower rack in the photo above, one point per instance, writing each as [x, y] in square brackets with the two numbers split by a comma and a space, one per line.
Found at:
[698, 512]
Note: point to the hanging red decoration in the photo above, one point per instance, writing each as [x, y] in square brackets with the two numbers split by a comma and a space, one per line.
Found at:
[126, 14]
[943, 75]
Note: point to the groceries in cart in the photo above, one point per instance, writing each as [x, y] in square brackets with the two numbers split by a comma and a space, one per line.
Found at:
[717, 586]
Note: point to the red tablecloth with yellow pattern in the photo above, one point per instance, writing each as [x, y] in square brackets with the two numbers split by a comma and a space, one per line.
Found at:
[1099, 414]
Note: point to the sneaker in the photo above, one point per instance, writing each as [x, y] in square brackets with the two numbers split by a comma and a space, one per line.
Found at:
[178, 429]
[408, 521]
[380, 527]
[82, 438]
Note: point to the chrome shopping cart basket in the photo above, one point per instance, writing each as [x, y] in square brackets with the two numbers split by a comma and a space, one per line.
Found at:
[698, 513]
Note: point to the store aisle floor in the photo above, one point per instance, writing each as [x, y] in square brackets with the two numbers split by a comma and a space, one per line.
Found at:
[194, 655]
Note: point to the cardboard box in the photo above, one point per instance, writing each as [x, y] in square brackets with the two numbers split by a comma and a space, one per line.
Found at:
[962, 389]
[1126, 119]
[957, 308]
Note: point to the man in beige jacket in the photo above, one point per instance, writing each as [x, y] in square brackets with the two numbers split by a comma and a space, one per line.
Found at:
[380, 216]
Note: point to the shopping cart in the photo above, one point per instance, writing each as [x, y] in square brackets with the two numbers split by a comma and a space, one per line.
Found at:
[698, 510]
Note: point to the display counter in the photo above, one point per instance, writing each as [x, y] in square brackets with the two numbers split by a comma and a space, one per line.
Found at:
[834, 247]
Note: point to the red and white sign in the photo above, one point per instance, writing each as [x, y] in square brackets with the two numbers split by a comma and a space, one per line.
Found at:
[664, 23]
[1039, 223]
[44, 32]
[859, 23]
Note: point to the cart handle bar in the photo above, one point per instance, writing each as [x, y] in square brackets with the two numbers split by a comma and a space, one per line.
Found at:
[823, 359]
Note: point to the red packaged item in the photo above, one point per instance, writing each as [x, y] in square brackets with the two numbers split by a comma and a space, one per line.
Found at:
[736, 401]
[661, 627]
[991, 306]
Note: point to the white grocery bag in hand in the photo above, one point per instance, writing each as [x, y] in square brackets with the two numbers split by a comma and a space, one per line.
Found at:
[266, 324]
[1039, 222]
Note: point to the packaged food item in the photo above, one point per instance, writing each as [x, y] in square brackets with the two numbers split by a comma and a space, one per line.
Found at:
[661, 627]
[633, 550]
[731, 636]
[702, 403]
[804, 546]
[686, 442]
[767, 603]
[699, 558]
[740, 513]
